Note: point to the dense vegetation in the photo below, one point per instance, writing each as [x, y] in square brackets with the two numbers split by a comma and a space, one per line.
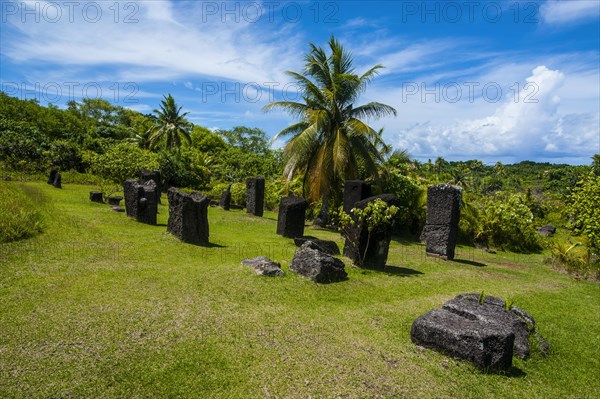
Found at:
[100, 306]
[98, 143]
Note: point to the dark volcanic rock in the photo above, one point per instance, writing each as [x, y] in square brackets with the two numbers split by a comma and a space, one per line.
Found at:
[255, 195]
[327, 246]
[443, 215]
[146, 175]
[290, 221]
[188, 216]
[486, 346]
[478, 332]
[114, 200]
[57, 180]
[309, 262]
[225, 201]
[547, 230]
[378, 244]
[52, 175]
[141, 201]
[96, 196]
[264, 266]
[354, 191]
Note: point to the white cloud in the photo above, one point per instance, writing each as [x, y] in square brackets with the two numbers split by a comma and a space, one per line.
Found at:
[562, 12]
[166, 43]
[528, 125]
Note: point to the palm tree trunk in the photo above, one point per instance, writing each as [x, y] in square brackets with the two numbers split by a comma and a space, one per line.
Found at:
[323, 217]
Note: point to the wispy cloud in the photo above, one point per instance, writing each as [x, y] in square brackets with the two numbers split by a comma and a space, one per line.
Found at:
[569, 11]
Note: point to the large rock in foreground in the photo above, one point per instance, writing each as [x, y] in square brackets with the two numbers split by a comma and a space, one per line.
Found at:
[485, 334]
[311, 263]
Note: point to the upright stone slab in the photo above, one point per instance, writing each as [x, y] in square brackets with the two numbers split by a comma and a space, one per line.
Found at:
[141, 201]
[443, 216]
[146, 175]
[188, 216]
[57, 180]
[378, 243]
[255, 195]
[292, 212]
[225, 201]
[52, 175]
[354, 191]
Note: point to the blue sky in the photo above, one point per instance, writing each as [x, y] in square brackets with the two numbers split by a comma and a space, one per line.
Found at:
[492, 80]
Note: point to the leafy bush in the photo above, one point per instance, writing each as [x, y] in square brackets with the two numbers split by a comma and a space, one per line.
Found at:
[20, 214]
[123, 161]
[375, 216]
[584, 210]
[22, 146]
[66, 155]
[503, 221]
[507, 222]
[412, 199]
[187, 168]
[575, 258]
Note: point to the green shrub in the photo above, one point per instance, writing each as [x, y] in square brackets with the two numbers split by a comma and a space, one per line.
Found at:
[123, 161]
[186, 168]
[584, 210]
[20, 212]
[22, 146]
[507, 222]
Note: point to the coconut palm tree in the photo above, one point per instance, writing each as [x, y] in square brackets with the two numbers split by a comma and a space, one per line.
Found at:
[331, 139]
[170, 124]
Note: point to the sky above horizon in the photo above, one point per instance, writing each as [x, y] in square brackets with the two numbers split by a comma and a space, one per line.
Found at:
[491, 80]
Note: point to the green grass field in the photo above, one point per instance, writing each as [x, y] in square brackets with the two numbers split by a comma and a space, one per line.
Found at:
[100, 306]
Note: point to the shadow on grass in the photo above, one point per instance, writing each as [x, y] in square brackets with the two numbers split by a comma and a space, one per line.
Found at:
[515, 372]
[397, 271]
[469, 262]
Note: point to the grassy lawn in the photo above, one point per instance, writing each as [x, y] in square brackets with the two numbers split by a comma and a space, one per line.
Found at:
[100, 306]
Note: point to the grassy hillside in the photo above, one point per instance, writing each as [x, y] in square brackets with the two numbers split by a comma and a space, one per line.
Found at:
[99, 306]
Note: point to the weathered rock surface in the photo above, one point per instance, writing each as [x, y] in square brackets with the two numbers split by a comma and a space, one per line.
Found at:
[264, 266]
[290, 221]
[57, 180]
[311, 263]
[441, 224]
[188, 216]
[141, 201]
[486, 334]
[114, 200]
[225, 201]
[117, 208]
[327, 246]
[378, 244]
[52, 175]
[255, 195]
[146, 176]
[354, 191]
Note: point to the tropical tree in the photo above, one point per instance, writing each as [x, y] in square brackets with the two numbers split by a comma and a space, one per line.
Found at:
[439, 164]
[170, 125]
[331, 139]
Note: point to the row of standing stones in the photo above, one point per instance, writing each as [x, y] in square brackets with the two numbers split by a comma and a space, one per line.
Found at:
[486, 334]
